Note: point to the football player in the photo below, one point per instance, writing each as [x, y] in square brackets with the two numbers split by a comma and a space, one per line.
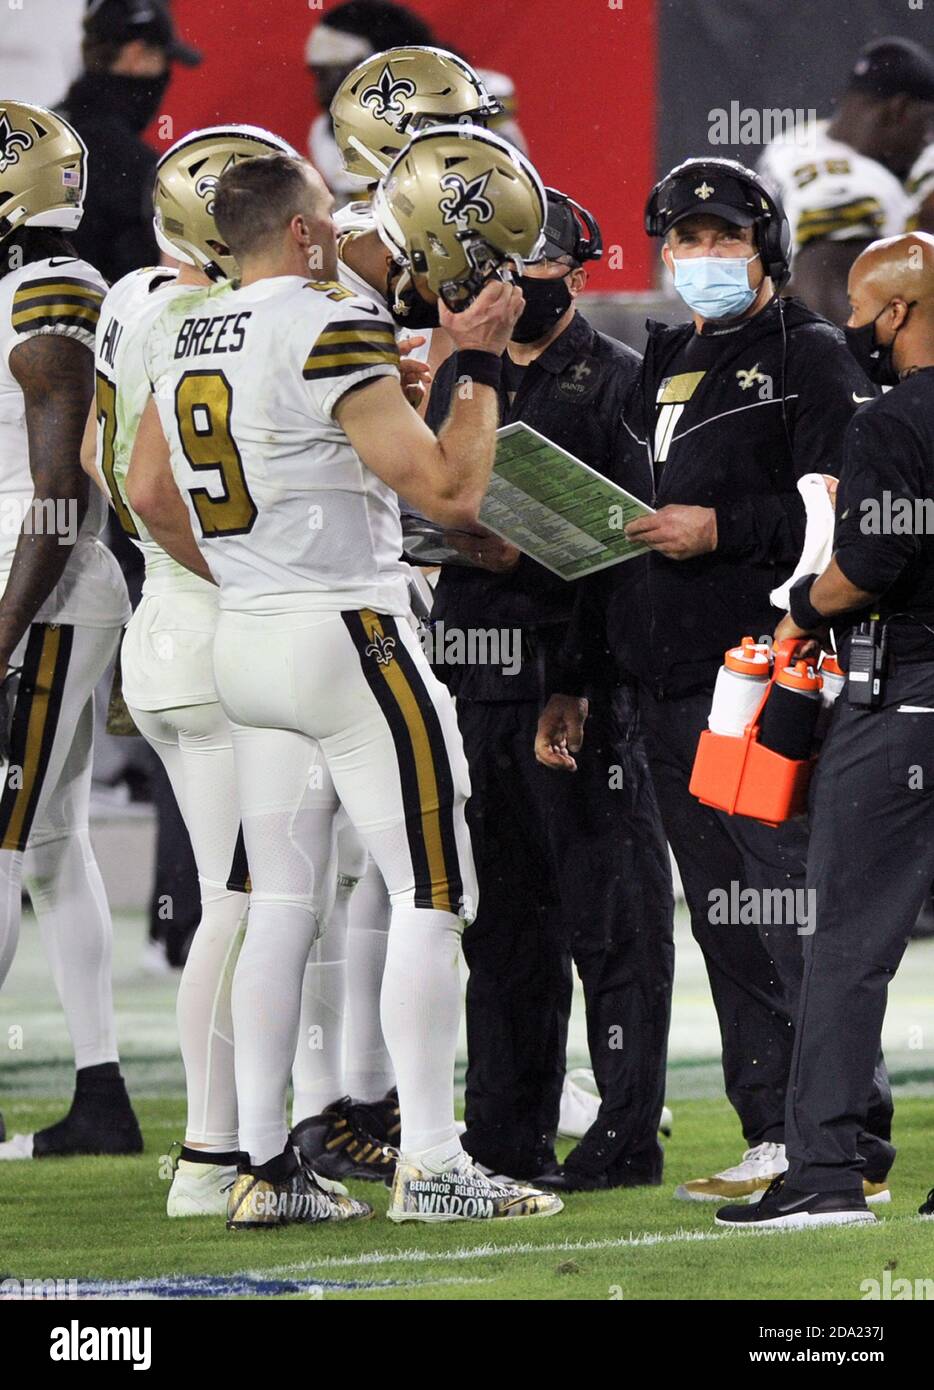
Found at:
[841, 181]
[168, 682]
[63, 605]
[288, 391]
[375, 111]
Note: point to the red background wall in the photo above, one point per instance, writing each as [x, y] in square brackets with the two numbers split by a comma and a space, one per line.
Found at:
[585, 81]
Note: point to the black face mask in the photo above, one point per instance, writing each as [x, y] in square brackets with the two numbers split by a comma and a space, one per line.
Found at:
[137, 98]
[545, 302]
[875, 358]
[415, 311]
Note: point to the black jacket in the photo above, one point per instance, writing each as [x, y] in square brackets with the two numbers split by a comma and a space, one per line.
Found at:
[116, 233]
[573, 394]
[773, 407]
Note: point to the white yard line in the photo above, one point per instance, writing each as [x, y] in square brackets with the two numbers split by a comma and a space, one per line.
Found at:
[490, 1251]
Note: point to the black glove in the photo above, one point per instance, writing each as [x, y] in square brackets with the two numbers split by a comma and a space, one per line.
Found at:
[7, 701]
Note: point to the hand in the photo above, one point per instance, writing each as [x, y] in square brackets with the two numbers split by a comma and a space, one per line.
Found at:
[680, 533]
[416, 376]
[830, 483]
[484, 549]
[486, 325]
[811, 645]
[561, 732]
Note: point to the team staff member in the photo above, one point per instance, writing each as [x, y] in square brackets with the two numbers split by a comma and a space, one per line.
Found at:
[731, 409]
[128, 49]
[871, 856]
[564, 869]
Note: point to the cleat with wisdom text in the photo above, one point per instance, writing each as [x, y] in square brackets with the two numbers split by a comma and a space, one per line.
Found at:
[286, 1192]
[463, 1193]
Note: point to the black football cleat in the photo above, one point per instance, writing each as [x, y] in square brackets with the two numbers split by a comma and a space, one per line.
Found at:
[100, 1121]
[338, 1144]
[381, 1117]
[927, 1206]
[785, 1208]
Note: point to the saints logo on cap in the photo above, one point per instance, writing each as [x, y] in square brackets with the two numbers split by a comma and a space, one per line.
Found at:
[704, 192]
[384, 96]
[11, 142]
[461, 199]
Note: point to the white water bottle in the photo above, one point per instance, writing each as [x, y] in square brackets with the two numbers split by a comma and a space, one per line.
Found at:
[741, 683]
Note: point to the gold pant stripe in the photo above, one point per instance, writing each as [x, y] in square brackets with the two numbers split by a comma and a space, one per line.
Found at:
[47, 688]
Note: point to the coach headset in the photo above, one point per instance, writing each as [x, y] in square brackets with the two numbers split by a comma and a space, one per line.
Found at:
[589, 247]
[770, 225]
[771, 230]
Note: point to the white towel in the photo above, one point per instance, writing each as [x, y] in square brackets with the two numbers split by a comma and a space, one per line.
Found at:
[818, 535]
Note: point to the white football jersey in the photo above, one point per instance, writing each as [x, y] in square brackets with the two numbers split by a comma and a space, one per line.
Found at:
[920, 184]
[60, 296]
[246, 381]
[128, 312]
[830, 192]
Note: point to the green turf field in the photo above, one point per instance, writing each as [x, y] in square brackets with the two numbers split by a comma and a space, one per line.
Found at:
[100, 1221]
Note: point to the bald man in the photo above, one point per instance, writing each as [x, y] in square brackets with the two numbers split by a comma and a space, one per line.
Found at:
[871, 855]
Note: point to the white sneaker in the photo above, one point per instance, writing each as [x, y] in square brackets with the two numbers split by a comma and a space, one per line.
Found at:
[200, 1189]
[462, 1193]
[753, 1174]
[20, 1146]
[579, 1103]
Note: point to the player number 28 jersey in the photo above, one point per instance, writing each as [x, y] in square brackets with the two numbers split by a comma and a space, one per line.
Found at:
[246, 382]
[58, 296]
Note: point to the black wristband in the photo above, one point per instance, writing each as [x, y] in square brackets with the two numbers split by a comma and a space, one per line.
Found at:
[485, 368]
[802, 610]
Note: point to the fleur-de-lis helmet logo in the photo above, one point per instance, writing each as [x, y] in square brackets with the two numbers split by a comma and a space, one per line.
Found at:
[463, 198]
[11, 142]
[383, 96]
[206, 186]
[382, 648]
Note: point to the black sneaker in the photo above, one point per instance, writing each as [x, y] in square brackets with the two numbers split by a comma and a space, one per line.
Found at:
[927, 1206]
[787, 1208]
[339, 1144]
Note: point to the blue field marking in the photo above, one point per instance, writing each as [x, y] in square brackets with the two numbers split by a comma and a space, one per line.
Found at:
[226, 1286]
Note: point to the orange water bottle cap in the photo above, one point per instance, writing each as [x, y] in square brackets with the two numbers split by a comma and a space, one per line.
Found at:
[748, 658]
[799, 676]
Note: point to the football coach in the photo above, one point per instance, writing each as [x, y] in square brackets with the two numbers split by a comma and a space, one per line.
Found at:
[872, 842]
[730, 410]
[567, 868]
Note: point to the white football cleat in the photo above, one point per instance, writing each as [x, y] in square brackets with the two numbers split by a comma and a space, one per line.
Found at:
[200, 1189]
[462, 1193]
[753, 1174]
[20, 1146]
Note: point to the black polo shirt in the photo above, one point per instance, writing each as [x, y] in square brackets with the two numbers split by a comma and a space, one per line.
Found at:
[573, 394]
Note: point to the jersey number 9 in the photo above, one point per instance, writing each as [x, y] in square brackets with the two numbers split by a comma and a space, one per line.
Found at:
[203, 403]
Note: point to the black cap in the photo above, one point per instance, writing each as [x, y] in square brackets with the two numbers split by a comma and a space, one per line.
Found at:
[564, 233]
[718, 194]
[122, 21]
[892, 66]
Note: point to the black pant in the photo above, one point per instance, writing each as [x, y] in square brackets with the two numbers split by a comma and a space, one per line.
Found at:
[870, 865]
[568, 866]
[754, 968]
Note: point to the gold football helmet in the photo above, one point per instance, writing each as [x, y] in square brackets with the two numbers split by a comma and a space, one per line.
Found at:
[183, 196]
[390, 96]
[43, 169]
[455, 206]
